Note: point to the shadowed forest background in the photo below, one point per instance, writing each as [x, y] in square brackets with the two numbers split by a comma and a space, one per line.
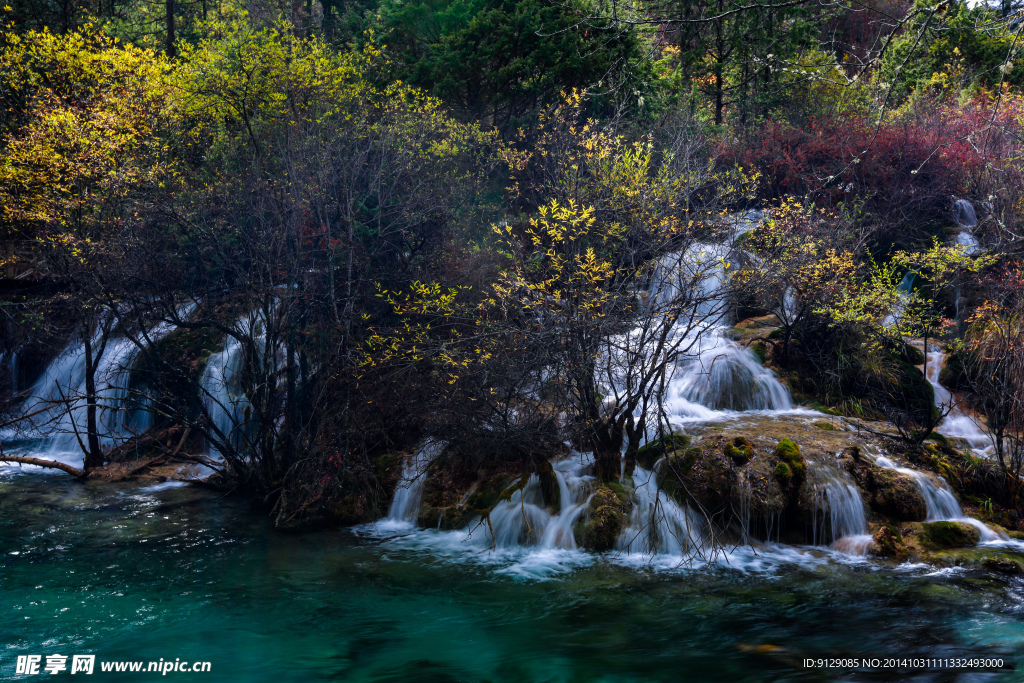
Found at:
[425, 219]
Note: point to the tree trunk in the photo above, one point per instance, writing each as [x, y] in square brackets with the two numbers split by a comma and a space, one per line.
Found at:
[93, 454]
[169, 7]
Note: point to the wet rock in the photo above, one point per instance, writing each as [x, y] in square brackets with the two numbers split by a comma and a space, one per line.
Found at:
[1003, 565]
[939, 535]
[549, 485]
[607, 517]
[888, 542]
[889, 493]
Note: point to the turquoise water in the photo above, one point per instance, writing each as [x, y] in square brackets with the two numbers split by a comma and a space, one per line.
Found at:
[143, 574]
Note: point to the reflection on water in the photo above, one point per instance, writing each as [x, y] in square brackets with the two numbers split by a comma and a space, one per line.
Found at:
[159, 572]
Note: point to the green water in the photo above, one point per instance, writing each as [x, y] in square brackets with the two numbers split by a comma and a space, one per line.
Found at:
[131, 574]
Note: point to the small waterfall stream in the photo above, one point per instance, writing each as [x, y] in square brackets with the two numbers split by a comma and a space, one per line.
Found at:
[409, 491]
[222, 394]
[657, 524]
[840, 518]
[941, 504]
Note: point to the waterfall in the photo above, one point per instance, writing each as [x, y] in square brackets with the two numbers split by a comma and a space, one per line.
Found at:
[941, 504]
[574, 489]
[657, 524]
[839, 510]
[223, 395]
[957, 424]
[409, 491]
[520, 520]
[964, 214]
[967, 220]
[717, 374]
[61, 394]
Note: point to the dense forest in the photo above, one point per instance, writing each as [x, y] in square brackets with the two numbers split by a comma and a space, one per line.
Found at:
[493, 226]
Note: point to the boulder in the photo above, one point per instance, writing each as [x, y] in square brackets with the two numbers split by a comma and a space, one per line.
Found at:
[605, 520]
[940, 535]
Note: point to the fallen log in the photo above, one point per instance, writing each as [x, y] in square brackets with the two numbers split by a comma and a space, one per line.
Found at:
[38, 462]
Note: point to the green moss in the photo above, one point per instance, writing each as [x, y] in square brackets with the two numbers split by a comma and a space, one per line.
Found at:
[954, 373]
[607, 518]
[827, 426]
[506, 494]
[386, 464]
[789, 453]
[651, 452]
[739, 451]
[783, 474]
[949, 535]
[760, 350]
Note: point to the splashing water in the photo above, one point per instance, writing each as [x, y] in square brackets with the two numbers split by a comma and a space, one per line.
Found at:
[657, 524]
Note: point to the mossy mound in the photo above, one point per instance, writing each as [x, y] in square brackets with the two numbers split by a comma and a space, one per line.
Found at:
[939, 535]
[739, 451]
[654, 451]
[953, 375]
[912, 354]
[789, 454]
[783, 474]
[827, 426]
[606, 519]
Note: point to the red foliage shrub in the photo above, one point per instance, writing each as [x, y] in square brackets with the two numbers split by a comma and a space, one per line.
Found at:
[905, 171]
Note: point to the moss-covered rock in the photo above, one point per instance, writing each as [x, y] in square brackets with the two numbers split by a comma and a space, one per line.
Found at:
[827, 426]
[939, 535]
[783, 474]
[739, 451]
[653, 451]
[912, 354]
[953, 375]
[760, 350]
[1003, 565]
[606, 519]
[789, 453]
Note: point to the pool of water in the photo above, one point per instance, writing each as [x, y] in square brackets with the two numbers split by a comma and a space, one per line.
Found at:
[136, 573]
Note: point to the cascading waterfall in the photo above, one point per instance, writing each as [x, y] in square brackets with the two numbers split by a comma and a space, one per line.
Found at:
[718, 374]
[941, 504]
[60, 393]
[957, 424]
[657, 524]
[967, 219]
[222, 394]
[574, 494]
[839, 517]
